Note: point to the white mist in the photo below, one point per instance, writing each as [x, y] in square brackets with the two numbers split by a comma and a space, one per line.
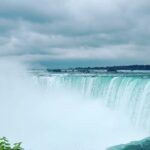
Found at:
[56, 119]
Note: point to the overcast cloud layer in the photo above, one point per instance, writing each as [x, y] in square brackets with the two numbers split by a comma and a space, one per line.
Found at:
[106, 30]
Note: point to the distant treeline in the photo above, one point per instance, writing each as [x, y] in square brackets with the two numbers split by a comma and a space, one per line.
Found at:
[107, 68]
[130, 67]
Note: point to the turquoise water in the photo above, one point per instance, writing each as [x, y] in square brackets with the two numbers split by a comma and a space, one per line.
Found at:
[128, 93]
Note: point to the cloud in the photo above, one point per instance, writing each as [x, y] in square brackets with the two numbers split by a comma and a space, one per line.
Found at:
[81, 29]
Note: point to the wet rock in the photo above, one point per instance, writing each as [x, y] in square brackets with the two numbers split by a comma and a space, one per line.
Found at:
[138, 145]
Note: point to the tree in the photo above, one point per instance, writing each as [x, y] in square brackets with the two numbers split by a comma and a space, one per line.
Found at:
[5, 145]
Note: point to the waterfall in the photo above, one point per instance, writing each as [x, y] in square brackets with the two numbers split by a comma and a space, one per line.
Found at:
[126, 93]
[72, 111]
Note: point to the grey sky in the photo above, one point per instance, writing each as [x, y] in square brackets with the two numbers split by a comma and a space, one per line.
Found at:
[109, 31]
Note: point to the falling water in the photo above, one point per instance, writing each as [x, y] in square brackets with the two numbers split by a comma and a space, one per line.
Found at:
[71, 111]
[127, 93]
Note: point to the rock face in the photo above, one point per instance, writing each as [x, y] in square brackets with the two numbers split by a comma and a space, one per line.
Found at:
[138, 145]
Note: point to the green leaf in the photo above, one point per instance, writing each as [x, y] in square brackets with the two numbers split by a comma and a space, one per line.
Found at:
[5, 145]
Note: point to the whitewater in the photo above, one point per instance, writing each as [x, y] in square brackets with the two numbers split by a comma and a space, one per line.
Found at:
[72, 111]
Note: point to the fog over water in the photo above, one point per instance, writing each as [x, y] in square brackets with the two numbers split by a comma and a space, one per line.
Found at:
[56, 118]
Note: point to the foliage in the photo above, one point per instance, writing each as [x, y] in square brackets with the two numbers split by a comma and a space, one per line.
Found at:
[5, 145]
